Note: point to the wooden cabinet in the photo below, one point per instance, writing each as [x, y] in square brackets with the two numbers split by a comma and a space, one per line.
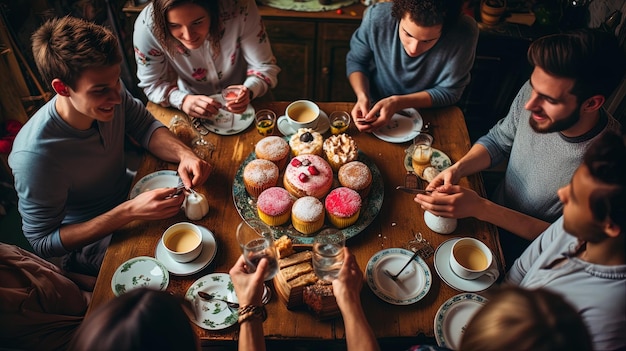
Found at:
[499, 70]
[311, 51]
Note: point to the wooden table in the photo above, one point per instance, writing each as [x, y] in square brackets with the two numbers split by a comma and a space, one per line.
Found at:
[393, 227]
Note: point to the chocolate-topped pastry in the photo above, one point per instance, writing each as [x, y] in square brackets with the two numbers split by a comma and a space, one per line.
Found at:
[306, 141]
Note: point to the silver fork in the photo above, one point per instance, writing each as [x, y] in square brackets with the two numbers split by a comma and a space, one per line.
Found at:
[394, 277]
[210, 297]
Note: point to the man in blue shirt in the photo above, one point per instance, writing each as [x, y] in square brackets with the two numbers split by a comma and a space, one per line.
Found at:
[409, 53]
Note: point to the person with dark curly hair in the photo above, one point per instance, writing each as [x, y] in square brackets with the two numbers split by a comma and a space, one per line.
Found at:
[409, 53]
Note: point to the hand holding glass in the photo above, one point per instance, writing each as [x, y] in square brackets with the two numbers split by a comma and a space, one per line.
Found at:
[256, 241]
[328, 253]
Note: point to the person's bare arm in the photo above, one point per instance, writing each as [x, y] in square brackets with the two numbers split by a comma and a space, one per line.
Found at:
[347, 291]
[191, 169]
[475, 160]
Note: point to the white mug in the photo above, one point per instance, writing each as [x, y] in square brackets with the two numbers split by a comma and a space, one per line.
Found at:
[471, 259]
[300, 114]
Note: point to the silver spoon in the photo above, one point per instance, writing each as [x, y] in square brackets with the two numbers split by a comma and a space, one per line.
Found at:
[394, 277]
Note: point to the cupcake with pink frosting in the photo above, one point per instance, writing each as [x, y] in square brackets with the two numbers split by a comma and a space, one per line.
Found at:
[343, 206]
[274, 206]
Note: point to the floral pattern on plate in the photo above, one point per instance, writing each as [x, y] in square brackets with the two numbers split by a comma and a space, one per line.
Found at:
[228, 123]
[139, 272]
[246, 206]
[214, 314]
[452, 318]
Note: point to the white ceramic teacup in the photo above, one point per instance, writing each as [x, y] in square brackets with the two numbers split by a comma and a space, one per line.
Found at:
[471, 259]
[441, 225]
[300, 114]
[183, 241]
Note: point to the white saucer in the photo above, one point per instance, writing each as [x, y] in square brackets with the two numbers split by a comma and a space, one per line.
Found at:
[452, 318]
[139, 272]
[214, 314]
[411, 286]
[401, 128]
[286, 129]
[155, 180]
[209, 249]
[442, 267]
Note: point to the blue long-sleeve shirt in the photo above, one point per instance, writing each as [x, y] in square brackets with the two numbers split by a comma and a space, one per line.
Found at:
[443, 71]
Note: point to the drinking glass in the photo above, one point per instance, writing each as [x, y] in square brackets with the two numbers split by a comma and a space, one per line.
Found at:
[339, 122]
[422, 149]
[232, 93]
[265, 121]
[256, 241]
[328, 253]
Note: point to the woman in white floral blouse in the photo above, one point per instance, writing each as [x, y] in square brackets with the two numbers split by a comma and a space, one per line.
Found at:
[188, 50]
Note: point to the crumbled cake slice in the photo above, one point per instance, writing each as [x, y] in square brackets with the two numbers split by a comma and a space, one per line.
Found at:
[284, 246]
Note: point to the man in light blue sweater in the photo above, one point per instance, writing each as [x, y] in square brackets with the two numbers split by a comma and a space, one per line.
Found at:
[409, 53]
[582, 256]
[552, 121]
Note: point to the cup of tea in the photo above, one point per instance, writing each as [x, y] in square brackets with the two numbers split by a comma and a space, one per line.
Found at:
[328, 253]
[183, 241]
[471, 259]
[339, 122]
[300, 114]
[265, 121]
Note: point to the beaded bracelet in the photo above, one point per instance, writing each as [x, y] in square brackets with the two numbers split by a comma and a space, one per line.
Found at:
[251, 312]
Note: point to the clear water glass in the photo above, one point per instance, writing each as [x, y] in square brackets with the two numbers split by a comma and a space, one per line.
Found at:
[328, 253]
[256, 241]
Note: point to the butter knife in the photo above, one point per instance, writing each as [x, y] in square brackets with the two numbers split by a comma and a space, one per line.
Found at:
[412, 190]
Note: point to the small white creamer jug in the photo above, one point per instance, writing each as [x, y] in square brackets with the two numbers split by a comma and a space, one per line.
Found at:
[196, 206]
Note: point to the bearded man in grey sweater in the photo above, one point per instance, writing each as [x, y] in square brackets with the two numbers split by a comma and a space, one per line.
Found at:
[552, 121]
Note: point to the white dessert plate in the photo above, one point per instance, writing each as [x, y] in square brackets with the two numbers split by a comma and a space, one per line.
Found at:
[209, 249]
[439, 160]
[139, 272]
[401, 128]
[412, 284]
[240, 122]
[214, 314]
[442, 267]
[453, 316]
[287, 129]
[156, 180]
